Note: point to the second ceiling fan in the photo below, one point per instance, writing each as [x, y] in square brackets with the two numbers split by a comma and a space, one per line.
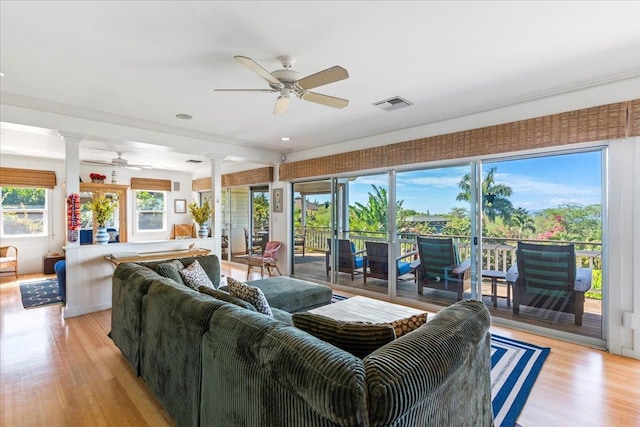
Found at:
[288, 81]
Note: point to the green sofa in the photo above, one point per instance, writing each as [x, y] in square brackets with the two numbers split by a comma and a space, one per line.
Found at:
[212, 362]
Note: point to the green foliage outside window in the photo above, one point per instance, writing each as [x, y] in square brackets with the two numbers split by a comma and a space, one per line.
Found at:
[23, 211]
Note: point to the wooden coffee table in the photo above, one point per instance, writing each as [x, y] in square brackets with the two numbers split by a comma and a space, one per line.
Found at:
[363, 309]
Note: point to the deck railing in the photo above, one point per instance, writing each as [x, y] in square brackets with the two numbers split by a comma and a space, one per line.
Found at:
[498, 253]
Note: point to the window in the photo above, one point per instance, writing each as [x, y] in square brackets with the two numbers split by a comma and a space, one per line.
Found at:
[24, 211]
[150, 210]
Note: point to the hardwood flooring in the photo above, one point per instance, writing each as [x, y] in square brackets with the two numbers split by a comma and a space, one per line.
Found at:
[67, 372]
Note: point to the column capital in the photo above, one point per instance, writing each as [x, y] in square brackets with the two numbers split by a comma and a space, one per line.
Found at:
[71, 136]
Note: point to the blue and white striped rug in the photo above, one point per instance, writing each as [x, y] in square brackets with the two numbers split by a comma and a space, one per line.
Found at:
[515, 365]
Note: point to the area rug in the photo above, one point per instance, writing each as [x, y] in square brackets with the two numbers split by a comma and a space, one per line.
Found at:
[40, 293]
[515, 365]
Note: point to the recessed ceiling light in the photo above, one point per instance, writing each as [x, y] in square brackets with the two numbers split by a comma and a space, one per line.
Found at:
[1, 74]
[184, 116]
[285, 138]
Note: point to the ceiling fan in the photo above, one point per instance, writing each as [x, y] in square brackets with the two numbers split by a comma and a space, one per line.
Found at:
[118, 162]
[287, 81]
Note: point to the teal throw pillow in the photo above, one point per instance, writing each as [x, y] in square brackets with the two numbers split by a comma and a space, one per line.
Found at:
[358, 338]
[250, 294]
[171, 270]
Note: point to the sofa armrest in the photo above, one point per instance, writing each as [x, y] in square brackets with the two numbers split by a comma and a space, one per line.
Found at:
[425, 375]
[273, 371]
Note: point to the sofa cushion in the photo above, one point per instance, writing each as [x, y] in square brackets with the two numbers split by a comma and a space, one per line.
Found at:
[358, 338]
[194, 276]
[250, 294]
[225, 296]
[292, 295]
[171, 270]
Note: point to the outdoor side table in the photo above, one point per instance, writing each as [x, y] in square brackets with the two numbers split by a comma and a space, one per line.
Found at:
[494, 275]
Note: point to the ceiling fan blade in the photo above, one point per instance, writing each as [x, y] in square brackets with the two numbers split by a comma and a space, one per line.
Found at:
[245, 90]
[282, 105]
[257, 68]
[321, 78]
[330, 101]
[97, 162]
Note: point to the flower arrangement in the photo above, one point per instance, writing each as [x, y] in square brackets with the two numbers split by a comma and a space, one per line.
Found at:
[201, 214]
[96, 177]
[102, 208]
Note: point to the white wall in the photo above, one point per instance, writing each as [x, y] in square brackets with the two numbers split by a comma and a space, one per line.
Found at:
[32, 249]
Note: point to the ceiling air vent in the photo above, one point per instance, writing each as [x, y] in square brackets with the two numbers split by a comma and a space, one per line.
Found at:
[194, 161]
[392, 103]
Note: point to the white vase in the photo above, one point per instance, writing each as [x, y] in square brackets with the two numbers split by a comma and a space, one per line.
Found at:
[101, 237]
[203, 231]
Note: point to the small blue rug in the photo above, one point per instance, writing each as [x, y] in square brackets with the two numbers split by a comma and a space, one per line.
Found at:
[515, 365]
[41, 293]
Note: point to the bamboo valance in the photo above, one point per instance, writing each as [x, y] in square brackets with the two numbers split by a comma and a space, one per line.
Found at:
[612, 121]
[150, 184]
[252, 176]
[13, 177]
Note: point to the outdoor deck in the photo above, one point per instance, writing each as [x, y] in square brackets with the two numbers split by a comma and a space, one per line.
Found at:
[312, 267]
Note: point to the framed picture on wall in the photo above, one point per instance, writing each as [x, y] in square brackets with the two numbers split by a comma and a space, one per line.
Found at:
[180, 206]
[277, 199]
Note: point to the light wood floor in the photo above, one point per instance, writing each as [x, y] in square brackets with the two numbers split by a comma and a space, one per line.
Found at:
[67, 372]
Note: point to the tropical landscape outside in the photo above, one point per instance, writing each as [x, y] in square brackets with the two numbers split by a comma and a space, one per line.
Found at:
[550, 199]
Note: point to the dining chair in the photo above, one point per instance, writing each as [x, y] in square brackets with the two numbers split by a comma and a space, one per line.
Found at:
[268, 259]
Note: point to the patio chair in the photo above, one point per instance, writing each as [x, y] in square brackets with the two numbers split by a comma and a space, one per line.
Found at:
[377, 261]
[439, 266]
[257, 242]
[349, 260]
[301, 241]
[268, 259]
[546, 279]
[9, 260]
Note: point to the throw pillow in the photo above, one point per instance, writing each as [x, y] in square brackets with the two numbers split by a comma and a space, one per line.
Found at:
[224, 296]
[404, 326]
[358, 338]
[194, 276]
[250, 294]
[171, 270]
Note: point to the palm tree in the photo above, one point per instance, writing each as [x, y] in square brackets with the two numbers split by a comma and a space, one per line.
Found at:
[495, 201]
[522, 221]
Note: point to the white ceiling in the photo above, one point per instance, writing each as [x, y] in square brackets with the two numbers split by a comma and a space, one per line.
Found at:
[119, 72]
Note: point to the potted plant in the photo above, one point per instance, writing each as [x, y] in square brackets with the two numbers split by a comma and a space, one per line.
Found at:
[103, 209]
[201, 214]
[97, 177]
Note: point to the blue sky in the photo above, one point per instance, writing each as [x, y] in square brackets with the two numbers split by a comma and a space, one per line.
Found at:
[537, 183]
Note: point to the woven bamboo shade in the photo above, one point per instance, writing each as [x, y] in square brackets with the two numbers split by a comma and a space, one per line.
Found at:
[634, 118]
[13, 177]
[613, 121]
[150, 184]
[201, 184]
[253, 176]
